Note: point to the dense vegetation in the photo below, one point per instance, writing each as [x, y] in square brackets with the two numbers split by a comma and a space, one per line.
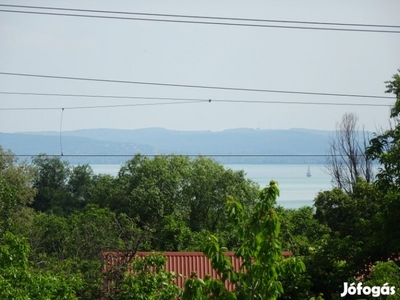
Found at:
[56, 219]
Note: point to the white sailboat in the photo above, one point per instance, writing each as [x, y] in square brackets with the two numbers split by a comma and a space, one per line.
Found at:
[308, 172]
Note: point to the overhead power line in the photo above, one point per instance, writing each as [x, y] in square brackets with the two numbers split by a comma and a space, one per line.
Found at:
[200, 17]
[178, 19]
[97, 96]
[192, 86]
[103, 106]
[181, 101]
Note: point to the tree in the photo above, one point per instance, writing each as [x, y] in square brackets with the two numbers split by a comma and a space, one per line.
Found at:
[8, 205]
[347, 159]
[148, 280]
[20, 175]
[62, 188]
[363, 221]
[16, 189]
[18, 280]
[300, 230]
[205, 192]
[74, 244]
[175, 189]
[385, 273]
[51, 184]
[393, 87]
[385, 148]
[355, 239]
[150, 189]
[263, 267]
[173, 234]
[104, 192]
[79, 184]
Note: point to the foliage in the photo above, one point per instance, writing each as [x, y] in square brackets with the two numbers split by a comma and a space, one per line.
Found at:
[169, 190]
[150, 189]
[51, 185]
[301, 232]
[260, 249]
[362, 222]
[149, 280]
[199, 289]
[172, 234]
[102, 192]
[18, 280]
[393, 87]
[62, 189]
[16, 189]
[385, 148]
[205, 192]
[74, 244]
[19, 175]
[353, 240]
[385, 272]
[8, 204]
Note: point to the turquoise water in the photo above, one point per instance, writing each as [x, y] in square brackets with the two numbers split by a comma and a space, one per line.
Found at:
[296, 188]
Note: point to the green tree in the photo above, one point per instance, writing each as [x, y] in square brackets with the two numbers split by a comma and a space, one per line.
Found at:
[150, 188]
[8, 204]
[62, 188]
[385, 148]
[51, 184]
[363, 221]
[352, 243]
[173, 234]
[207, 188]
[385, 273]
[80, 184]
[104, 192]
[18, 280]
[74, 244]
[149, 280]
[169, 190]
[301, 232]
[263, 268]
[19, 175]
[16, 189]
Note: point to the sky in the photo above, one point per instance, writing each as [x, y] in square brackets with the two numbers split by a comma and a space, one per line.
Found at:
[207, 55]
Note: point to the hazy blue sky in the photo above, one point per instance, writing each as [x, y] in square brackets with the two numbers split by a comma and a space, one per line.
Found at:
[194, 54]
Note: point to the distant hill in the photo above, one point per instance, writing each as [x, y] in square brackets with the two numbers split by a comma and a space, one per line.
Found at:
[152, 141]
[49, 143]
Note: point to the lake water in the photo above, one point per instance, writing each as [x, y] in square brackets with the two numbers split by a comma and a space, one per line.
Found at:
[296, 188]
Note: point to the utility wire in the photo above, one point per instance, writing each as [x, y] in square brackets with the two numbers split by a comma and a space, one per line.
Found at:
[96, 96]
[192, 86]
[205, 23]
[103, 106]
[226, 101]
[153, 19]
[198, 17]
[168, 99]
